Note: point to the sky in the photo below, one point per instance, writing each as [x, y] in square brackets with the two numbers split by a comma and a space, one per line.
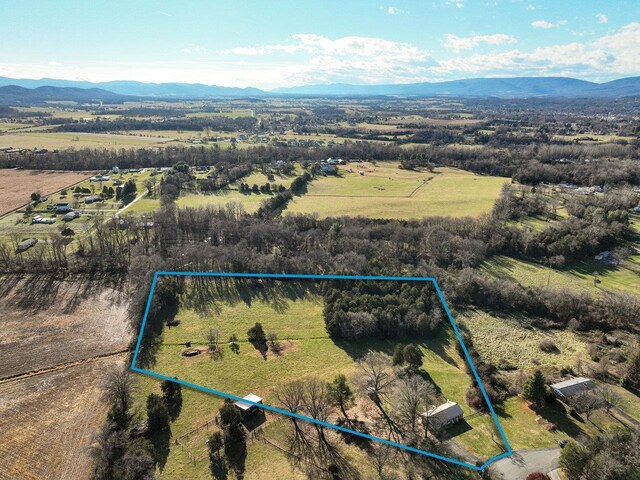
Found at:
[279, 43]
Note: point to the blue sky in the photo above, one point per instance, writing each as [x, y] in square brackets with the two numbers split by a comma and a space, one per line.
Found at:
[292, 42]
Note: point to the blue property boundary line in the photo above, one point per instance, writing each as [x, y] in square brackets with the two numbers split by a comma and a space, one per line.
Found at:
[309, 419]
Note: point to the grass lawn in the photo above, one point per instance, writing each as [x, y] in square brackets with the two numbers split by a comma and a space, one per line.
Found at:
[251, 201]
[509, 338]
[575, 276]
[385, 191]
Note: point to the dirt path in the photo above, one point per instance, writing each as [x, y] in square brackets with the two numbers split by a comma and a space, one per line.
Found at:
[61, 366]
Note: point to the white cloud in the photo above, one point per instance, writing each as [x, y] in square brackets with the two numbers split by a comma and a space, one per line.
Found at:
[530, 7]
[166, 14]
[392, 11]
[193, 48]
[349, 59]
[602, 18]
[457, 43]
[456, 3]
[547, 25]
[611, 55]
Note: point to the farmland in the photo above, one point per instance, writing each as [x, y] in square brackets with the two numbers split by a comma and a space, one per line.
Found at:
[385, 191]
[57, 140]
[48, 422]
[17, 185]
[60, 339]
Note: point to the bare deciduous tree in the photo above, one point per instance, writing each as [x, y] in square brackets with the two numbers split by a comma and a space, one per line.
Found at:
[412, 395]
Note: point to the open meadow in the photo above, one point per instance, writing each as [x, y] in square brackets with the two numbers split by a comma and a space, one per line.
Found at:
[385, 191]
[59, 140]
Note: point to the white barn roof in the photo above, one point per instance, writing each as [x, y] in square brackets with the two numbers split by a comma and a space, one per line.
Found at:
[246, 405]
[445, 412]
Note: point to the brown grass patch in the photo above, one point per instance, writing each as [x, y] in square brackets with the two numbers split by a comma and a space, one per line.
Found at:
[17, 185]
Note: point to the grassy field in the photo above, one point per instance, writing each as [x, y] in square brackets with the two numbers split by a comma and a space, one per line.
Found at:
[307, 351]
[510, 339]
[385, 191]
[525, 427]
[575, 276]
[57, 140]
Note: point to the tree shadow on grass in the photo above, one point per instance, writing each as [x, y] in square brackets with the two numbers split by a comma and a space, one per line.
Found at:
[161, 446]
[152, 335]
[556, 413]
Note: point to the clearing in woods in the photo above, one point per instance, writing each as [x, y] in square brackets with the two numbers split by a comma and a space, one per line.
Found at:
[16, 186]
[385, 191]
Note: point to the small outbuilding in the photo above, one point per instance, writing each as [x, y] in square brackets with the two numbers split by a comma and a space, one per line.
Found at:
[606, 258]
[247, 407]
[446, 414]
[26, 244]
[569, 388]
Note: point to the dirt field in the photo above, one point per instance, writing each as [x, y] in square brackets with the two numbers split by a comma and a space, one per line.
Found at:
[17, 185]
[48, 422]
[46, 323]
[59, 339]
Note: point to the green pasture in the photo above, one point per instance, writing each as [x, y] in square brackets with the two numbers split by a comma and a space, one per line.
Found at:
[575, 276]
[385, 191]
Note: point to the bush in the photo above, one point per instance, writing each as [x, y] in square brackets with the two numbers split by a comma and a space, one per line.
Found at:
[547, 345]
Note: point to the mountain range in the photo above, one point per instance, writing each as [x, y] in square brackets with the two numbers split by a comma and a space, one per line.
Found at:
[47, 89]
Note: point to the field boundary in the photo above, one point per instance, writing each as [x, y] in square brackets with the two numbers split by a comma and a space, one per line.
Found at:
[276, 276]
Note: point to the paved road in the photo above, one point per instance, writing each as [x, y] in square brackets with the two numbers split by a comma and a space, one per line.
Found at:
[524, 462]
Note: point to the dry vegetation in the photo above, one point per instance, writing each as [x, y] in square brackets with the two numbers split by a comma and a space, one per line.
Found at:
[17, 185]
[48, 421]
[47, 323]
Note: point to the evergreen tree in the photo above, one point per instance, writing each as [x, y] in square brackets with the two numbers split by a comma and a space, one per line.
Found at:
[535, 389]
[398, 357]
[341, 394]
[412, 356]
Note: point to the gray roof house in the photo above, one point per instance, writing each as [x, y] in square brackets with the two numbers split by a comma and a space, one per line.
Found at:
[567, 389]
[446, 414]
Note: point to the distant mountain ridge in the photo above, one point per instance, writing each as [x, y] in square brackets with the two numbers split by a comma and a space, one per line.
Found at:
[516, 87]
[134, 88]
[16, 95]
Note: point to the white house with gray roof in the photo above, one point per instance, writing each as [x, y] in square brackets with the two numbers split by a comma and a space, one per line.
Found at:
[569, 388]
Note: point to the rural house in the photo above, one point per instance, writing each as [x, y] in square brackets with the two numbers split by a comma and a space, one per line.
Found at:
[446, 414]
[246, 407]
[567, 389]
